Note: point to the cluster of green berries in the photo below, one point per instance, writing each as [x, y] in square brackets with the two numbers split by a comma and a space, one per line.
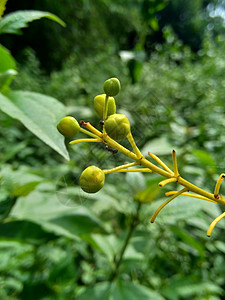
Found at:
[117, 127]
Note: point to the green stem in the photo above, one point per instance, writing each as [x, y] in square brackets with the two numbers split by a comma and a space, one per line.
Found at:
[134, 146]
[116, 169]
[133, 225]
[105, 111]
[88, 133]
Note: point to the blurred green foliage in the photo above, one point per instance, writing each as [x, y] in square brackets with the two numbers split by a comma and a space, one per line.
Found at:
[57, 242]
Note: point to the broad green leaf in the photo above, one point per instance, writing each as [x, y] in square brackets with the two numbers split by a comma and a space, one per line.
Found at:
[148, 195]
[13, 22]
[188, 239]
[6, 79]
[180, 208]
[132, 255]
[102, 244]
[6, 60]
[78, 223]
[19, 182]
[220, 246]
[119, 290]
[46, 209]
[2, 7]
[39, 114]
[205, 159]
[25, 189]
[135, 182]
[158, 146]
[26, 231]
[12, 151]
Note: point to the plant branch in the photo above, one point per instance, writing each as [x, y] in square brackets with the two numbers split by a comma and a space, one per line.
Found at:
[165, 171]
[133, 225]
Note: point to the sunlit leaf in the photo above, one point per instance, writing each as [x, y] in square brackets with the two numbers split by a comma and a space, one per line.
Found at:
[39, 113]
[13, 22]
[6, 60]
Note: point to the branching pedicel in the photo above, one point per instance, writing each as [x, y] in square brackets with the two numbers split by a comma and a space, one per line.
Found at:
[117, 127]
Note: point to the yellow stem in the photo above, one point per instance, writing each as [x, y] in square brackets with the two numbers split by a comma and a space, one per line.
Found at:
[156, 158]
[105, 111]
[190, 195]
[144, 162]
[193, 188]
[122, 149]
[213, 224]
[218, 184]
[85, 140]
[88, 132]
[147, 164]
[166, 181]
[91, 128]
[134, 146]
[176, 173]
[142, 170]
[108, 171]
[155, 169]
[165, 203]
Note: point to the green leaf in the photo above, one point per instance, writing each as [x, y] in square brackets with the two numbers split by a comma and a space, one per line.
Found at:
[45, 209]
[206, 160]
[13, 22]
[180, 208]
[158, 146]
[6, 60]
[102, 244]
[78, 223]
[25, 231]
[19, 182]
[39, 114]
[188, 239]
[135, 182]
[119, 290]
[25, 189]
[148, 195]
[6, 79]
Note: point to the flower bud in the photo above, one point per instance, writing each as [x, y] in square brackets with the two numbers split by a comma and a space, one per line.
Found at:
[117, 126]
[112, 86]
[99, 102]
[92, 179]
[68, 126]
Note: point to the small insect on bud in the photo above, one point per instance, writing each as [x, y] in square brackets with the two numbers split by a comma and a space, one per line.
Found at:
[99, 103]
[117, 126]
[68, 126]
[92, 179]
[112, 86]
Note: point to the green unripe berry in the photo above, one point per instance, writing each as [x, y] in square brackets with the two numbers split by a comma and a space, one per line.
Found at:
[92, 179]
[68, 126]
[117, 126]
[112, 86]
[99, 103]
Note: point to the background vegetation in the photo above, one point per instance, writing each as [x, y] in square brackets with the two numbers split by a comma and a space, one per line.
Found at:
[57, 242]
